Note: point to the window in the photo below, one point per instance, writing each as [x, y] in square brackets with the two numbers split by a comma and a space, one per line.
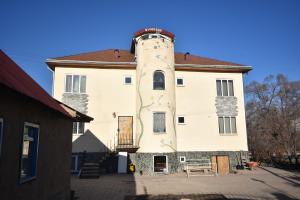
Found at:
[74, 163]
[180, 120]
[78, 127]
[158, 80]
[159, 122]
[182, 159]
[160, 164]
[29, 152]
[1, 133]
[75, 84]
[179, 82]
[225, 88]
[227, 125]
[127, 80]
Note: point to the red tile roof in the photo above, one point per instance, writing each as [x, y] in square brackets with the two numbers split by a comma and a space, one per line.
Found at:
[182, 58]
[13, 77]
[104, 55]
[126, 56]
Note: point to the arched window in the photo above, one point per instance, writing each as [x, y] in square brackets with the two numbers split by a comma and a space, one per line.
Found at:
[158, 80]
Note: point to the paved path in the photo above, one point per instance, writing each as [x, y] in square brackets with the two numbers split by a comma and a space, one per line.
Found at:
[268, 183]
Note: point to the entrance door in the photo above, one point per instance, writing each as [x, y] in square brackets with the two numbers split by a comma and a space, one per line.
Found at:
[220, 164]
[125, 130]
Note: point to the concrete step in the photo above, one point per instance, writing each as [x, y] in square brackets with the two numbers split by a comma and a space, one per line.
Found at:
[89, 176]
[90, 167]
[90, 171]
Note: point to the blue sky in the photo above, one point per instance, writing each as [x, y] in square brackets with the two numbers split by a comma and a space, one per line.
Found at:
[263, 34]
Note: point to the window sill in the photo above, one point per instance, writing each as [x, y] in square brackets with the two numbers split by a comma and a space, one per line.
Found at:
[225, 96]
[26, 180]
[232, 134]
[159, 133]
[77, 134]
[75, 93]
[180, 85]
[181, 123]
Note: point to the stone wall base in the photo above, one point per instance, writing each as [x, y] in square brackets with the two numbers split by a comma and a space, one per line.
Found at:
[144, 161]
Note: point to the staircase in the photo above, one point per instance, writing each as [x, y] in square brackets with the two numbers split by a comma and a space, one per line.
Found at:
[92, 170]
[89, 170]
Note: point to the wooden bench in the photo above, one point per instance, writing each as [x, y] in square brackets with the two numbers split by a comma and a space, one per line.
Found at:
[199, 167]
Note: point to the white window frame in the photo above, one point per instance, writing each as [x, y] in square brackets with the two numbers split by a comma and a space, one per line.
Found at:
[179, 123]
[160, 112]
[79, 92]
[1, 133]
[182, 159]
[124, 80]
[167, 164]
[233, 90]
[180, 85]
[231, 133]
[37, 152]
[77, 128]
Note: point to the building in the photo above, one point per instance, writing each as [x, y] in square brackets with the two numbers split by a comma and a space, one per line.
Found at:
[163, 108]
[35, 138]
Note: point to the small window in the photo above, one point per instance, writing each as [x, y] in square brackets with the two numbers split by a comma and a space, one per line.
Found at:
[127, 80]
[29, 152]
[78, 127]
[159, 122]
[182, 159]
[225, 88]
[181, 120]
[179, 82]
[227, 125]
[75, 84]
[158, 80]
[1, 134]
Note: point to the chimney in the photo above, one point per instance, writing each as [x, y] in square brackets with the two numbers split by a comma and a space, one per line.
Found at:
[186, 55]
[117, 53]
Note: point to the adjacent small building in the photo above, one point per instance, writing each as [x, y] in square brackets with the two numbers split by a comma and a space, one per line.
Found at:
[35, 138]
[161, 107]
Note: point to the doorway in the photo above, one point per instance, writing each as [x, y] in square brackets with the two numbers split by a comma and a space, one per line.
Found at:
[220, 164]
[125, 129]
[160, 164]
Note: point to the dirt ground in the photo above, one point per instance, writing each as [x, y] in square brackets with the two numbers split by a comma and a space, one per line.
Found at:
[262, 183]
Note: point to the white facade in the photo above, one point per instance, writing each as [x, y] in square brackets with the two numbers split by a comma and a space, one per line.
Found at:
[192, 109]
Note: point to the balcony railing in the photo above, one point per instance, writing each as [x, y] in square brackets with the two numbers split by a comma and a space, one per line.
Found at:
[126, 144]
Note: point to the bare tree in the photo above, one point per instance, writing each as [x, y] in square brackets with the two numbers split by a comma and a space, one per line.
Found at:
[273, 110]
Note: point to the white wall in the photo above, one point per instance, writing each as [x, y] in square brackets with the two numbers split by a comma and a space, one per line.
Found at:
[196, 102]
[106, 94]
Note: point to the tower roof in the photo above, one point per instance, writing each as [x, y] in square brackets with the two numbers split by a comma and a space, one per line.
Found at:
[154, 30]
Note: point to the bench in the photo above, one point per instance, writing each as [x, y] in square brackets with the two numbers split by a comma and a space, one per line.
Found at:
[199, 167]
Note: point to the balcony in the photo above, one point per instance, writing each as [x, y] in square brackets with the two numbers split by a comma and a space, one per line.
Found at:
[127, 145]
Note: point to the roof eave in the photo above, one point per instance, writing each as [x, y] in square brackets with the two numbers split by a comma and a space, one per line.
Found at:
[213, 68]
[52, 63]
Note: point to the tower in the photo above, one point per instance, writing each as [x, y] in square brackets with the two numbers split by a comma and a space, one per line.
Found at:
[155, 80]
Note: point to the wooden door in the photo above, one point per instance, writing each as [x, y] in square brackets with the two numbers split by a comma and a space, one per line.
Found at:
[125, 130]
[223, 165]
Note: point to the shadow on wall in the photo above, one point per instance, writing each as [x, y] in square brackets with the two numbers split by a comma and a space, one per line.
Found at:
[88, 142]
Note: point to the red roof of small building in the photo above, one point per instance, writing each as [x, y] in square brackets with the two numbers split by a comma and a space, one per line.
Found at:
[13, 77]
